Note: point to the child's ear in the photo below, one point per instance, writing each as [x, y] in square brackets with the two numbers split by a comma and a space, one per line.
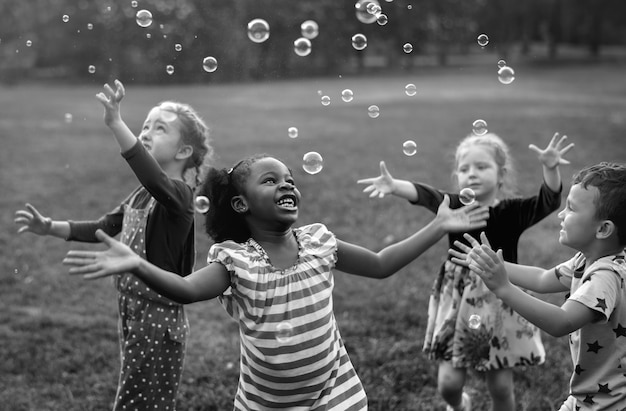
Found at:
[605, 230]
[184, 151]
[239, 204]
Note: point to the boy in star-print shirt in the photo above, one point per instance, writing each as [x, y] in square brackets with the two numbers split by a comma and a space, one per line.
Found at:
[594, 313]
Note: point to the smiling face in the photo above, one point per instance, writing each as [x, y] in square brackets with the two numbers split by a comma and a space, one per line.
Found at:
[161, 135]
[579, 223]
[477, 169]
[270, 198]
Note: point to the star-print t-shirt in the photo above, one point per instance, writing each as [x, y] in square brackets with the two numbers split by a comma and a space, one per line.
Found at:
[598, 349]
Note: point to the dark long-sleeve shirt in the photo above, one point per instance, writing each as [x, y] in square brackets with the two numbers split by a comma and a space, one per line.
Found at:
[507, 220]
[170, 228]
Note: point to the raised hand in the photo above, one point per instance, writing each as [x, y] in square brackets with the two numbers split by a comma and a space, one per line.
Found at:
[31, 220]
[466, 218]
[118, 258]
[552, 155]
[379, 186]
[111, 99]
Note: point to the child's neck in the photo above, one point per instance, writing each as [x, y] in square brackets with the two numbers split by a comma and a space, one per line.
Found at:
[281, 247]
[489, 200]
[600, 250]
[173, 170]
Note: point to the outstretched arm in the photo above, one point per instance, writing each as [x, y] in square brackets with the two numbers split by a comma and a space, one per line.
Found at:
[557, 321]
[357, 260]
[551, 157]
[204, 284]
[386, 184]
[111, 99]
[531, 278]
[30, 220]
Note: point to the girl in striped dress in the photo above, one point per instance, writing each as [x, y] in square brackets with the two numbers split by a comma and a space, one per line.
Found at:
[276, 281]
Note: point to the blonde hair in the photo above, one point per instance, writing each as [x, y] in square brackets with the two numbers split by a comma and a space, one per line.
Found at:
[501, 156]
[195, 133]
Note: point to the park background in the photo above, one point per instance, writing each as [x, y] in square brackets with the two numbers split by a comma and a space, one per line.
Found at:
[58, 334]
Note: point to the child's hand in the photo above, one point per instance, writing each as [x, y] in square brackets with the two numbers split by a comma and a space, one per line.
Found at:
[552, 156]
[111, 99]
[486, 263]
[381, 185]
[466, 218]
[32, 221]
[118, 258]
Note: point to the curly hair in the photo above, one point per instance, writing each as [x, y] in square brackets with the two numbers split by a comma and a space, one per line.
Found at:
[610, 180]
[196, 134]
[220, 186]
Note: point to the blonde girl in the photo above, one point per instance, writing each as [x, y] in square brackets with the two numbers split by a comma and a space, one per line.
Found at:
[468, 328]
[157, 222]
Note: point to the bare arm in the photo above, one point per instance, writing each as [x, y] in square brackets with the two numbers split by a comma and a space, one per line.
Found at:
[386, 184]
[111, 99]
[357, 260]
[204, 284]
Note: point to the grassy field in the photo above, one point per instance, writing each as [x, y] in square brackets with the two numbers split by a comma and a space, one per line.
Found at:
[58, 336]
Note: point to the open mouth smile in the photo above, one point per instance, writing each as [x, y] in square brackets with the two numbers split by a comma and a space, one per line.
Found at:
[288, 202]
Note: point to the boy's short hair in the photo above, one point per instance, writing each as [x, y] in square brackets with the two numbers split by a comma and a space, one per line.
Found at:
[610, 180]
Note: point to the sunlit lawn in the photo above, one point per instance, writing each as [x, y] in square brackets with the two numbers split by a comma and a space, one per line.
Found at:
[58, 336]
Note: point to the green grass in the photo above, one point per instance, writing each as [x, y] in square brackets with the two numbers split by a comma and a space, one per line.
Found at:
[58, 336]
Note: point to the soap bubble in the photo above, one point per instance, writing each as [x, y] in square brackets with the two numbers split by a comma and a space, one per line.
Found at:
[65, 18]
[29, 43]
[501, 63]
[284, 332]
[312, 162]
[409, 148]
[382, 19]
[506, 75]
[91, 69]
[479, 127]
[482, 40]
[474, 321]
[89, 26]
[68, 118]
[362, 9]
[410, 89]
[143, 18]
[169, 69]
[292, 132]
[178, 47]
[347, 95]
[133, 4]
[467, 196]
[209, 64]
[258, 30]
[325, 100]
[359, 41]
[302, 46]
[202, 204]
[309, 29]
[373, 111]
[408, 47]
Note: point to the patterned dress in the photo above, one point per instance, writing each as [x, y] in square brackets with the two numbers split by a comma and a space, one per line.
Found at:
[467, 324]
[598, 349]
[292, 356]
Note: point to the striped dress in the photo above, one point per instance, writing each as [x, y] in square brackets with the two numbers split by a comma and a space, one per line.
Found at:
[292, 356]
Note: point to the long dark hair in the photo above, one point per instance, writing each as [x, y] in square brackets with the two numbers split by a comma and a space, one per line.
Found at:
[220, 186]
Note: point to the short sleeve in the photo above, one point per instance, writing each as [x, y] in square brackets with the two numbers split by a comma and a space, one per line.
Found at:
[599, 292]
[225, 253]
[317, 241]
[565, 271]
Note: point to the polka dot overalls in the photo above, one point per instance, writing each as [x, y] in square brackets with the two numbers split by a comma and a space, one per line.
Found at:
[152, 329]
